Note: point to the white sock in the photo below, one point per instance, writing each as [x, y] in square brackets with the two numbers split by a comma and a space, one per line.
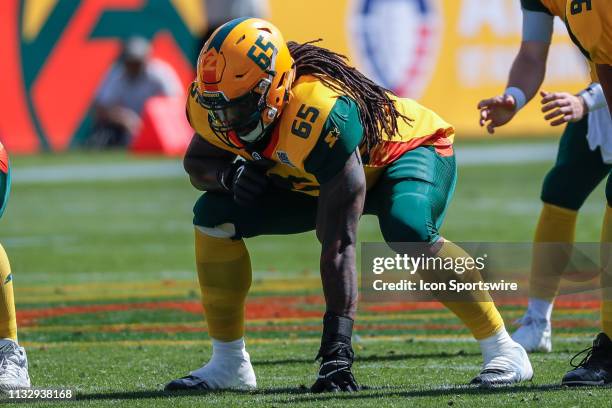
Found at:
[229, 349]
[491, 346]
[540, 308]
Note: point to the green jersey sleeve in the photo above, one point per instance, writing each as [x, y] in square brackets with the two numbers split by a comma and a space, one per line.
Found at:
[341, 135]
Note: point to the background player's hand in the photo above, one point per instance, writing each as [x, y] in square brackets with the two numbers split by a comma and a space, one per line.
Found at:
[562, 107]
[496, 111]
[248, 182]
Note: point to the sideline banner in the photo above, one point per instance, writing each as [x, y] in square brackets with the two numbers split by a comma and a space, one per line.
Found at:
[448, 54]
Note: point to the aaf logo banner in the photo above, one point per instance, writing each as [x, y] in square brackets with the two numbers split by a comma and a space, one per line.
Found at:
[397, 42]
[55, 53]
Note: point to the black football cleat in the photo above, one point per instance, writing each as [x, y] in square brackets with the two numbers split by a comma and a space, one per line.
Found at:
[596, 366]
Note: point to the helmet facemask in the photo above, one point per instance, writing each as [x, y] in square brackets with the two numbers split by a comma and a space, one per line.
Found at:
[243, 115]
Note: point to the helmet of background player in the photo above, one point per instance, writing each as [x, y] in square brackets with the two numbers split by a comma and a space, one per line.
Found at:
[244, 75]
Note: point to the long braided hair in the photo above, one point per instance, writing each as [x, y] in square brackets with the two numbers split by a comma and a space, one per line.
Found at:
[377, 110]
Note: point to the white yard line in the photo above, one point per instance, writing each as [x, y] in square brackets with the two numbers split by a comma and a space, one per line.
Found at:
[163, 169]
[138, 170]
[544, 152]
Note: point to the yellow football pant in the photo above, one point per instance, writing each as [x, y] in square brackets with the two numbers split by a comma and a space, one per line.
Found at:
[477, 311]
[8, 321]
[224, 274]
[556, 225]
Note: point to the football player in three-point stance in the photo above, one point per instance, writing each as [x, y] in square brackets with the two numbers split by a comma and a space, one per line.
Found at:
[583, 161]
[13, 359]
[289, 138]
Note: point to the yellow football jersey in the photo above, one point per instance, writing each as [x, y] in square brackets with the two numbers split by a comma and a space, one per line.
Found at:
[558, 8]
[318, 130]
[590, 22]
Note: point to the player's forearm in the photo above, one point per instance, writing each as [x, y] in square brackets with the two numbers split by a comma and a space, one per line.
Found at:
[528, 70]
[204, 173]
[339, 279]
[340, 207]
[206, 164]
[529, 67]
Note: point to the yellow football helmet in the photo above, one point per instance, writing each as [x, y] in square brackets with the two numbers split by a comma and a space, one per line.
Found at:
[244, 75]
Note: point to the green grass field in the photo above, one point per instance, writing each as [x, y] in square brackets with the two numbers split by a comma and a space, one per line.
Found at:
[109, 305]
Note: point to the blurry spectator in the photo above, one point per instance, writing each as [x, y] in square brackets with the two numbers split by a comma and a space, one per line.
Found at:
[123, 93]
[219, 12]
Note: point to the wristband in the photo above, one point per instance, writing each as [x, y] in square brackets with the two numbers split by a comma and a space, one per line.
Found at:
[519, 97]
[594, 97]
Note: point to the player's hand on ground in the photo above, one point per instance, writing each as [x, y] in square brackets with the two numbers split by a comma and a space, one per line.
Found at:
[496, 111]
[248, 182]
[562, 107]
[335, 373]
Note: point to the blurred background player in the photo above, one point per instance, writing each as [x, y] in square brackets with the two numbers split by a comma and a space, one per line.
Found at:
[305, 123]
[124, 92]
[584, 159]
[590, 22]
[13, 359]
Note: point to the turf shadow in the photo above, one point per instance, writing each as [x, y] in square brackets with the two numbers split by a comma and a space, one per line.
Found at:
[302, 393]
[149, 394]
[380, 392]
[372, 357]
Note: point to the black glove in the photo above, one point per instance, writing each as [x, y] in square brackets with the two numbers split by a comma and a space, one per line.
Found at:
[245, 180]
[336, 355]
[335, 372]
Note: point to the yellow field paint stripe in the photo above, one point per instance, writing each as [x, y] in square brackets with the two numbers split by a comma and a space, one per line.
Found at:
[257, 283]
[201, 324]
[92, 297]
[107, 327]
[283, 285]
[284, 340]
[110, 286]
[140, 343]
[274, 285]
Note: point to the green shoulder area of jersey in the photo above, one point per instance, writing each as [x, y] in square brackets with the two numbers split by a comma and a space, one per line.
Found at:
[342, 133]
[535, 5]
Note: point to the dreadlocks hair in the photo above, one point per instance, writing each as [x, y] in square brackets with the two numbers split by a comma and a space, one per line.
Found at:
[377, 110]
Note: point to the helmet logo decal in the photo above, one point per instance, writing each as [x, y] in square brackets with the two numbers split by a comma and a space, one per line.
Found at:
[262, 59]
[208, 68]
